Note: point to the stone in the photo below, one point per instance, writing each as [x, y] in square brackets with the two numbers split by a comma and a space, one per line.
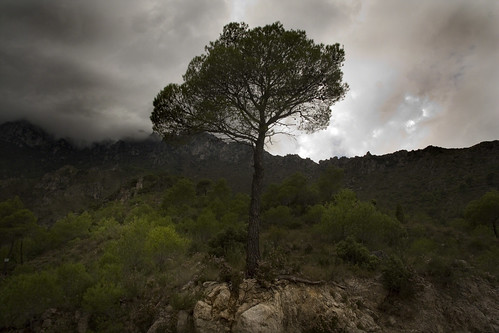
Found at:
[261, 318]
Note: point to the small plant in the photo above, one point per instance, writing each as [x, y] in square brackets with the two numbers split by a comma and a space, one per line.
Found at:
[356, 253]
[396, 276]
[185, 300]
[440, 270]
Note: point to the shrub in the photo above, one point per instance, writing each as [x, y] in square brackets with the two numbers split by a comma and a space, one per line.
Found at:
[346, 216]
[163, 242]
[73, 279]
[280, 216]
[71, 227]
[26, 296]
[396, 276]
[103, 298]
[227, 240]
[440, 270]
[356, 253]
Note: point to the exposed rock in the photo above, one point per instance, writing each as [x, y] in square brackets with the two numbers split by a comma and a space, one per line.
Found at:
[286, 307]
[358, 305]
[184, 322]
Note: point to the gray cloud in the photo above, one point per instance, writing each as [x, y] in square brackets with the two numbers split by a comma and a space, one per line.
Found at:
[90, 69]
[421, 72]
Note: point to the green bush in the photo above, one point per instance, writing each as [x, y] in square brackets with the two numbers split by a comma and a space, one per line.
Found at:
[226, 241]
[346, 216]
[396, 276]
[280, 216]
[103, 298]
[440, 270]
[356, 253]
[70, 227]
[25, 297]
[163, 243]
[73, 279]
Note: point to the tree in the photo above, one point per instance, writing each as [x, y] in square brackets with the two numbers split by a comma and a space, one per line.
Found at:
[249, 85]
[16, 222]
[484, 210]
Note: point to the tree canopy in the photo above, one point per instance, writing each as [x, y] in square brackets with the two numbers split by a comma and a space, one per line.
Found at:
[250, 80]
[249, 85]
[484, 210]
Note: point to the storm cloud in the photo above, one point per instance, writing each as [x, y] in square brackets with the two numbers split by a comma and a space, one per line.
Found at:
[90, 69]
[420, 72]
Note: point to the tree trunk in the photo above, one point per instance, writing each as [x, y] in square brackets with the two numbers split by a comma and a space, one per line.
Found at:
[9, 256]
[494, 227]
[21, 251]
[253, 242]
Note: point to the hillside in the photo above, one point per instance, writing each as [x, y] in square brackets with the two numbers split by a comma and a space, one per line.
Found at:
[54, 176]
[145, 236]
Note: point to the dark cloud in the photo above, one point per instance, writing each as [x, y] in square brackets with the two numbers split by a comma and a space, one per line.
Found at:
[421, 72]
[90, 69]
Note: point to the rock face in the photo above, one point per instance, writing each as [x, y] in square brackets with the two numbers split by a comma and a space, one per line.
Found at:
[359, 305]
[285, 307]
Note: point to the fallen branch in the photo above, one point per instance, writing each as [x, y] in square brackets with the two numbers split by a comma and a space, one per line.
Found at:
[297, 279]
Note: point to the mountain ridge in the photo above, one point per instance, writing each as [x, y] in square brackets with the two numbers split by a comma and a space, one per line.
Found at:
[436, 180]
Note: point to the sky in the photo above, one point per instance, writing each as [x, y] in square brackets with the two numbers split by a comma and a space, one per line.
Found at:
[421, 72]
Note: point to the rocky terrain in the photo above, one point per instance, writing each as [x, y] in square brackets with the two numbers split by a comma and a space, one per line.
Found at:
[355, 305]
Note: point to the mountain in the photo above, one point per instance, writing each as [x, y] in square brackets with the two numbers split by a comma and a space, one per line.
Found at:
[50, 174]
[435, 180]
[54, 175]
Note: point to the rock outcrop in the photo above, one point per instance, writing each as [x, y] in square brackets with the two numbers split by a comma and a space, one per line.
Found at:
[285, 307]
[358, 305]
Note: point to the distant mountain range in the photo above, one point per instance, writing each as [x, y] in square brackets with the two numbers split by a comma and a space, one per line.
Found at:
[54, 176]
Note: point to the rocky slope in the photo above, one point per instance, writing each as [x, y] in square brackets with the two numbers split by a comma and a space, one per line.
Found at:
[354, 305]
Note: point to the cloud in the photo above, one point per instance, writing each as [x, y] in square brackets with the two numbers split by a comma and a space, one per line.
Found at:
[421, 72]
[90, 69]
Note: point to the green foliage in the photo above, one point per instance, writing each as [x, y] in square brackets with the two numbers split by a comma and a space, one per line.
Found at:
[219, 93]
[484, 211]
[346, 216]
[71, 227]
[73, 279]
[205, 226]
[294, 192]
[181, 194]
[422, 246]
[185, 300]
[26, 296]
[280, 216]
[441, 270]
[329, 182]
[163, 242]
[16, 223]
[103, 298]
[227, 241]
[356, 253]
[314, 214]
[396, 276]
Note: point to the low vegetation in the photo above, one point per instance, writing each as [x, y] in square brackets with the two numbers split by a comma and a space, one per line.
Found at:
[118, 264]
